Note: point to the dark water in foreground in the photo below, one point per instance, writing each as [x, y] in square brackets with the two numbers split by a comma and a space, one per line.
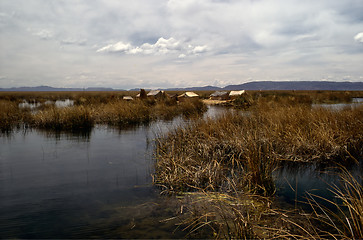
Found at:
[93, 185]
[98, 185]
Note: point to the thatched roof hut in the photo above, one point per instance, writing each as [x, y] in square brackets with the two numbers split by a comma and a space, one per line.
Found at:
[188, 95]
[127, 98]
[235, 94]
[156, 94]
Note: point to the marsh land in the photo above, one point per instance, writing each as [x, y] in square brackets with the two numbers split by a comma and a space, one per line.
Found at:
[269, 164]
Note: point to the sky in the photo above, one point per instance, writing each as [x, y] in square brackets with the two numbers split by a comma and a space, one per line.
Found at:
[178, 43]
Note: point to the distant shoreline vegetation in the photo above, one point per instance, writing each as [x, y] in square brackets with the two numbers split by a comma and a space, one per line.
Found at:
[111, 108]
[88, 109]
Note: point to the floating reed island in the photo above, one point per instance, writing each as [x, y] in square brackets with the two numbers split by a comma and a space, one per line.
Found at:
[88, 109]
[224, 167]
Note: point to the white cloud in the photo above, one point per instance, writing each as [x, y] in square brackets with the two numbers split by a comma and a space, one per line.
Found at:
[166, 45]
[161, 47]
[199, 49]
[117, 47]
[359, 37]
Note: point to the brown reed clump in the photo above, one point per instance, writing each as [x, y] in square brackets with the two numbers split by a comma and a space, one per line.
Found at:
[10, 115]
[75, 118]
[247, 147]
[120, 113]
[211, 154]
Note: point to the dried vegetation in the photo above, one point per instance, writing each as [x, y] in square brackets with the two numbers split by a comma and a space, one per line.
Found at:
[219, 163]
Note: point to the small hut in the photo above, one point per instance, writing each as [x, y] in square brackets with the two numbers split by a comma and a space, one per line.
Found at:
[156, 94]
[219, 95]
[188, 95]
[127, 98]
[236, 94]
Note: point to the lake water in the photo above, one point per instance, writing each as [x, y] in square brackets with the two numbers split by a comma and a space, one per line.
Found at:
[339, 106]
[58, 103]
[97, 184]
[91, 185]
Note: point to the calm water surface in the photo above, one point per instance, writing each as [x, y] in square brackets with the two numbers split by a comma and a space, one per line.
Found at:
[95, 185]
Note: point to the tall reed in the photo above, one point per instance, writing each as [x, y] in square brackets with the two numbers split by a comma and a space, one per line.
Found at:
[247, 148]
[10, 115]
[76, 118]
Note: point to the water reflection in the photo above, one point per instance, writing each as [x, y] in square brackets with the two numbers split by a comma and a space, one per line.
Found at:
[75, 135]
[94, 184]
[62, 179]
[35, 105]
[294, 180]
[340, 106]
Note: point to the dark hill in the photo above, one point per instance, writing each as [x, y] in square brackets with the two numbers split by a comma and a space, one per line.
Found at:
[300, 85]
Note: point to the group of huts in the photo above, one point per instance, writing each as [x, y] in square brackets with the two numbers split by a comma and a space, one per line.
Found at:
[226, 95]
[159, 94]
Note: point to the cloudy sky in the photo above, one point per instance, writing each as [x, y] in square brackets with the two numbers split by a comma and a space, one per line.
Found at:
[178, 43]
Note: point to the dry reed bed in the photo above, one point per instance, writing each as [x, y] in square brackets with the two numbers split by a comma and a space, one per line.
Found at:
[229, 162]
[11, 116]
[208, 153]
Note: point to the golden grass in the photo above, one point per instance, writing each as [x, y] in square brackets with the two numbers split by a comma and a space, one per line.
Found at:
[246, 148]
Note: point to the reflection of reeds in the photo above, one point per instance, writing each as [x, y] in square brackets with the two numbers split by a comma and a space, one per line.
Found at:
[226, 216]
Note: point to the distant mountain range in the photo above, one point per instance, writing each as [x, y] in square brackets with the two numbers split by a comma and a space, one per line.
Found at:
[260, 85]
[52, 89]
